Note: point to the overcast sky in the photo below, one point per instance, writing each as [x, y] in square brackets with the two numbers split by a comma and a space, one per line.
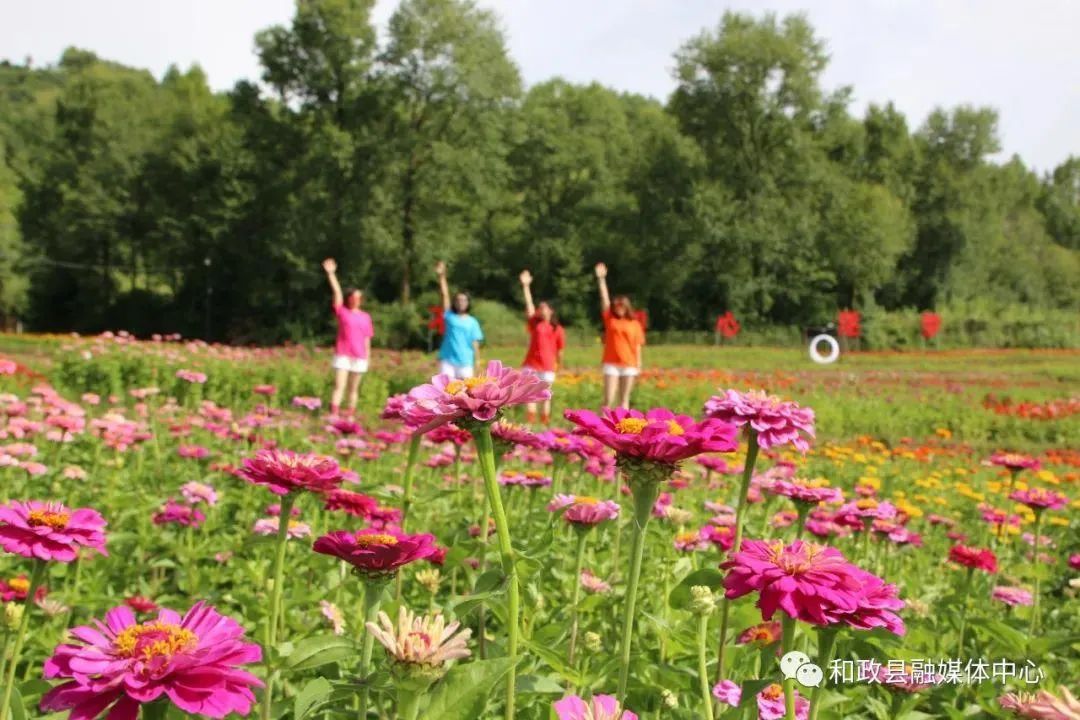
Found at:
[1019, 57]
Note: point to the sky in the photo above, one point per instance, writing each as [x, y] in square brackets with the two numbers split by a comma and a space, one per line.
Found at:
[1018, 57]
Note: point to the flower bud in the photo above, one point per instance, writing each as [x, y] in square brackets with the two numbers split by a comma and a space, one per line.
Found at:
[13, 613]
[702, 600]
[593, 643]
[669, 699]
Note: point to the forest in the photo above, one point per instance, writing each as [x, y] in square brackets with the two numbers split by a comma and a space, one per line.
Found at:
[159, 205]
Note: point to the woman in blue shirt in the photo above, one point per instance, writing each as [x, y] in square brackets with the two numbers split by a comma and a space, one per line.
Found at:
[459, 353]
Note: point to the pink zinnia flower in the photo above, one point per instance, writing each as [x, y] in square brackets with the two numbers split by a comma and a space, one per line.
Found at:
[770, 701]
[592, 583]
[50, 531]
[976, 558]
[805, 492]
[34, 469]
[584, 511]
[197, 492]
[376, 551]
[1043, 705]
[812, 583]
[194, 452]
[74, 472]
[190, 376]
[777, 422]
[395, 405]
[175, 513]
[658, 436]
[721, 536]
[1012, 595]
[271, 525]
[352, 503]
[120, 664]
[600, 707]
[284, 471]
[345, 427]
[515, 434]
[692, 541]
[531, 479]
[264, 390]
[1074, 561]
[1014, 462]
[863, 512]
[307, 402]
[727, 692]
[334, 616]
[1038, 499]
[478, 398]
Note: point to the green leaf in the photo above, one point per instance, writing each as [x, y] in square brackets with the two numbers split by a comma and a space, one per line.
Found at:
[709, 577]
[538, 684]
[320, 650]
[555, 660]
[463, 693]
[18, 712]
[315, 693]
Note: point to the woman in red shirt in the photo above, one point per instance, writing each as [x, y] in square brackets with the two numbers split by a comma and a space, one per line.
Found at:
[623, 338]
[546, 343]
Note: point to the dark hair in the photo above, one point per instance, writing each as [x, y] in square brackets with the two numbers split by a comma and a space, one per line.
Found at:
[554, 315]
[468, 302]
[350, 291]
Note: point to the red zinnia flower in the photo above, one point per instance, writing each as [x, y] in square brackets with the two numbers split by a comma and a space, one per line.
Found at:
[977, 558]
[376, 552]
[284, 471]
[141, 604]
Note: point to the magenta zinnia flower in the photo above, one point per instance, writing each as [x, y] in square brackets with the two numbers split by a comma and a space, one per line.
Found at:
[516, 435]
[50, 531]
[806, 492]
[374, 551]
[812, 583]
[307, 402]
[194, 661]
[658, 436]
[353, 503]
[600, 707]
[770, 701]
[174, 513]
[1038, 499]
[478, 398]
[976, 558]
[777, 422]
[284, 471]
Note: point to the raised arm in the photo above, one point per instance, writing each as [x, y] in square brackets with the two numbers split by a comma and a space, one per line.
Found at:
[444, 290]
[330, 266]
[601, 279]
[526, 282]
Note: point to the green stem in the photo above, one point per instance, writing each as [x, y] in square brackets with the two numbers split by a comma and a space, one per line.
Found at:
[579, 562]
[1035, 608]
[789, 683]
[155, 710]
[740, 508]
[408, 705]
[486, 456]
[826, 649]
[373, 595]
[703, 677]
[287, 502]
[963, 612]
[803, 509]
[36, 577]
[406, 495]
[645, 493]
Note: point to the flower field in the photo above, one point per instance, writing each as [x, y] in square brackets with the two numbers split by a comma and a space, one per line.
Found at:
[187, 533]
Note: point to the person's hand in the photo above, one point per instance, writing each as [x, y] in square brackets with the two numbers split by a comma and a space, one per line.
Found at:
[601, 271]
[526, 278]
[329, 265]
[440, 268]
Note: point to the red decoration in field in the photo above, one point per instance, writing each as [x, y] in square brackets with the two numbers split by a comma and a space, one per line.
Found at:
[931, 324]
[437, 322]
[848, 324]
[727, 325]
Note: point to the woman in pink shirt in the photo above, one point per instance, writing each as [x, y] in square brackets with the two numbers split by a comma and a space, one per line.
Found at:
[353, 346]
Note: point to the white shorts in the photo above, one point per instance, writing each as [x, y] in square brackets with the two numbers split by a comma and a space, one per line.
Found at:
[353, 365]
[547, 376]
[456, 372]
[620, 370]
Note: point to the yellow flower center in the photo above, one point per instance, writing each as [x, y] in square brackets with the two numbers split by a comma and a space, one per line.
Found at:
[773, 692]
[686, 537]
[375, 539]
[19, 584]
[794, 563]
[866, 504]
[456, 386]
[55, 520]
[586, 500]
[631, 425]
[761, 634]
[151, 640]
[674, 428]
[534, 474]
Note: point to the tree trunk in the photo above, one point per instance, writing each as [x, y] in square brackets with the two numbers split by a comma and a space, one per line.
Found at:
[408, 233]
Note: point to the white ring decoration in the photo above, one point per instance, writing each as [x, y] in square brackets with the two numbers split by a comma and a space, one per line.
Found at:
[834, 349]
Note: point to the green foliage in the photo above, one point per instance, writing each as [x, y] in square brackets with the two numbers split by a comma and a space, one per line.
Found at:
[159, 205]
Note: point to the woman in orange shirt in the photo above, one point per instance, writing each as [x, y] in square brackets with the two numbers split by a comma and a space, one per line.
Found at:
[623, 338]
